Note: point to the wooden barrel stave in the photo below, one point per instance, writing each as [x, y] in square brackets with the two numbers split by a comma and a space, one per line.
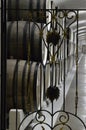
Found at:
[24, 8]
[28, 87]
[19, 49]
[11, 94]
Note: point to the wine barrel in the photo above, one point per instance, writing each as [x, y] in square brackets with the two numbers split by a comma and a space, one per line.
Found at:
[23, 85]
[28, 10]
[22, 35]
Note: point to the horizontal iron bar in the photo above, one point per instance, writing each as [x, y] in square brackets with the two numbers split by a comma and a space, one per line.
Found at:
[46, 9]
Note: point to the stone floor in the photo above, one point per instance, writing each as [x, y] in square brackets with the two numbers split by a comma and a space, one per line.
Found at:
[70, 99]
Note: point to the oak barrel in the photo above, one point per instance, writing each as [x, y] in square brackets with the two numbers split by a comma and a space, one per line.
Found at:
[23, 85]
[23, 34]
[28, 10]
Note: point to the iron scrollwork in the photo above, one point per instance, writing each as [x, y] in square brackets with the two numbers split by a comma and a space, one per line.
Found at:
[63, 120]
[54, 38]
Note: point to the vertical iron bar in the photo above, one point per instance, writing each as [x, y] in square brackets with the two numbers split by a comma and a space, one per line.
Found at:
[44, 94]
[41, 79]
[64, 67]
[29, 46]
[59, 72]
[52, 116]
[61, 63]
[51, 13]
[16, 84]
[3, 65]
[56, 19]
[53, 65]
[51, 75]
[55, 74]
[76, 100]
[60, 67]
[67, 50]
[40, 86]
[73, 54]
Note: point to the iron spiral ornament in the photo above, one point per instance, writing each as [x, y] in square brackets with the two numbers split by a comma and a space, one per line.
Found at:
[54, 38]
[54, 42]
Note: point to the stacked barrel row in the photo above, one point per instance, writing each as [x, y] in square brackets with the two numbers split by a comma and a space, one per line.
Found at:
[67, 57]
[26, 53]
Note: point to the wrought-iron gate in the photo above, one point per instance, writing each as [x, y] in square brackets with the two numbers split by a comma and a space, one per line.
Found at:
[36, 60]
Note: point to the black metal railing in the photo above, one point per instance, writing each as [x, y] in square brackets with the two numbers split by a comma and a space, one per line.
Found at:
[46, 37]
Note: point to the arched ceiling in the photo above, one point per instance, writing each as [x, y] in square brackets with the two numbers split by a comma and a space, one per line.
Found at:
[71, 4]
[81, 24]
[82, 35]
[75, 4]
[80, 28]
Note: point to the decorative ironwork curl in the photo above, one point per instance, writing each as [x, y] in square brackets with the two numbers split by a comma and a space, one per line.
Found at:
[70, 16]
[60, 40]
[62, 127]
[74, 17]
[40, 117]
[34, 117]
[66, 14]
[43, 124]
[64, 118]
[61, 14]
